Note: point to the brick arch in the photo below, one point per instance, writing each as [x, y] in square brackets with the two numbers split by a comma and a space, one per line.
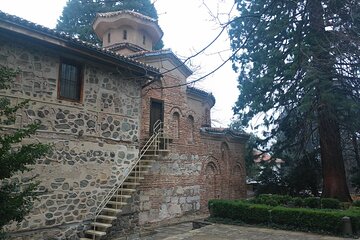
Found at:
[175, 125]
[211, 174]
[211, 168]
[191, 113]
[176, 109]
[174, 122]
[236, 181]
[226, 166]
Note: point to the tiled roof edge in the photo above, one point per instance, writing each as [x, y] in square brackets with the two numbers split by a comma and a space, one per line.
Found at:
[201, 93]
[136, 14]
[224, 131]
[118, 46]
[160, 52]
[12, 19]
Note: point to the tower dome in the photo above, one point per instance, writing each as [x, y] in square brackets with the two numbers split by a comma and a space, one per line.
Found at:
[127, 32]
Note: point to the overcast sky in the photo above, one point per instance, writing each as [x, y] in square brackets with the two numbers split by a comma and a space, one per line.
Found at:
[188, 27]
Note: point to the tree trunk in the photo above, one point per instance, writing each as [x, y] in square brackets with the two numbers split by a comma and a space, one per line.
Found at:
[356, 149]
[333, 170]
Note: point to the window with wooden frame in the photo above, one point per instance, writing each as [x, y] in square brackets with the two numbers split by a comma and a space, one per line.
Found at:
[70, 81]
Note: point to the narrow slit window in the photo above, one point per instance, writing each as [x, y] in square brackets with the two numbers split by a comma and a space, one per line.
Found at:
[144, 39]
[124, 34]
[109, 37]
[70, 81]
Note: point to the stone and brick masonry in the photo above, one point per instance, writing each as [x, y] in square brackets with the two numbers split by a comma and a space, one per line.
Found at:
[93, 141]
[96, 139]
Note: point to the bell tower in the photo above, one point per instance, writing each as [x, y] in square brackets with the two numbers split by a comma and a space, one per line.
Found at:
[127, 32]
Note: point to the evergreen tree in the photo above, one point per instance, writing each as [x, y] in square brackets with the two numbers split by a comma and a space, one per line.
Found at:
[15, 198]
[299, 67]
[78, 16]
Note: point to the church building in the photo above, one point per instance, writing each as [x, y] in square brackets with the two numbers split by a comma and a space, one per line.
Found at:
[133, 144]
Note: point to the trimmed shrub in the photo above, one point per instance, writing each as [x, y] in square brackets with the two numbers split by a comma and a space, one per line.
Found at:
[285, 200]
[305, 219]
[272, 199]
[330, 203]
[308, 219]
[312, 202]
[256, 214]
[220, 208]
[248, 213]
[356, 203]
[297, 202]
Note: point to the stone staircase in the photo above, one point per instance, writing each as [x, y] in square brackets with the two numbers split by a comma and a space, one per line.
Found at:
[112, 204]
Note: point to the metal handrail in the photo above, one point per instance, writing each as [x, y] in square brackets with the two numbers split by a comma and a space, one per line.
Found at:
[157, 132]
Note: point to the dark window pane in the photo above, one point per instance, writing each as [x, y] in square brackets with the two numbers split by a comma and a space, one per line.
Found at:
[70, 82]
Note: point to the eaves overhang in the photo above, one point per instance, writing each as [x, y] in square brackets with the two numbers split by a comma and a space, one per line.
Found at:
[10, 24]
[104, 21]
[162, 54]
[201, 94]
[225, 133]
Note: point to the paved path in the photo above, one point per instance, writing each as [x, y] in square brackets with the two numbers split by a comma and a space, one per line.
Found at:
[229, 232]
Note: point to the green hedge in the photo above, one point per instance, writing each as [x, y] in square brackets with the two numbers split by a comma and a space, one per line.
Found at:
[272, 199]
[305, 219]
[285, 200]
[330, 203]
[308, 219]
[356, 203]
[312, 202]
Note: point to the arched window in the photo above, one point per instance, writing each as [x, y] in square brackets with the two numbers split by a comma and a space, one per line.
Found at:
[176, 124]
[224, 152]
[109, 37]
[124, 34]
[144, 39]
[191, 128]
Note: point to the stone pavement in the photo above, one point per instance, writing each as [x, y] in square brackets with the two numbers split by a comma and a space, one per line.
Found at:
[183, 231]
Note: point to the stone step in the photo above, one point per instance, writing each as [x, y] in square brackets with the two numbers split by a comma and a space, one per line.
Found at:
[112, 210]
[86, 239]
[131, 183]
[119, 196]
[135, 178]
[157, 151]
[100, 225]
[149, 156]
[146, 161]
[126, 190]
[139, 172]
[164, 150]
[95, 233]
[143, 166]
[106, 217]
[117, 203]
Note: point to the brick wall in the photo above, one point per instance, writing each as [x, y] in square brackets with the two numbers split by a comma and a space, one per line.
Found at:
[199, 166]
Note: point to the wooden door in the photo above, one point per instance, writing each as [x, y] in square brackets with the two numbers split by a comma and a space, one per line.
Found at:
[156, 113]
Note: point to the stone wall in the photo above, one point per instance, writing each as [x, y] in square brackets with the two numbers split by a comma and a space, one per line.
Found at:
[94, 140]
